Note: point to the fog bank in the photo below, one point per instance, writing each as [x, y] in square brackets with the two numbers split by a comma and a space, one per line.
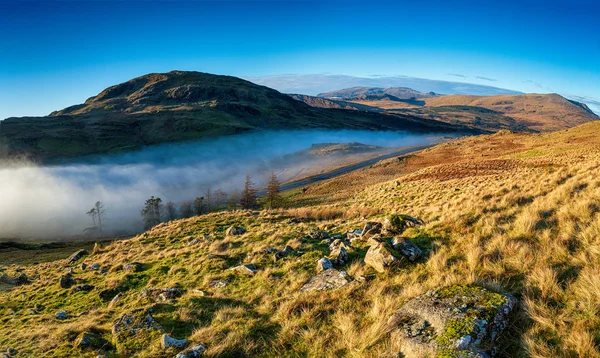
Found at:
[50, 202]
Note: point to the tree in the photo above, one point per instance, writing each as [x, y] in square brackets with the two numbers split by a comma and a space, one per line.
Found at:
[248, 199]
[186, 210]
[92, 214]
[220, 198]
[234, 199]
[99, 214]
[151, 213]
[198, 204]
[273, 198]
[171, 211]
[208, 199]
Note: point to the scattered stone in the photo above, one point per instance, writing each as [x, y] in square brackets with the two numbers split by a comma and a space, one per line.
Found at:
[355, 234]
[134, 322]
[365, 278]
[115, 300]
[396, 224]
[192, 352]
[132, 267]
[324, 264]
[83, 265]
[199, 292]
[95, 267]
[62, 315]
[91, 341]
[31, 311]
[371, 228]
[166, 342]
[21, 279]
[77, 256]
[15, 281]
[269, 250]
[4, 355]
[319, 235]
[66, 282]
[235, 230]
[327, 280]
[11, 351]
[304, 240]
[380, 257]
[161, 294]
[218, 283]
[85, 288]
[104, 270]
[38, 307]
[463, 319]
[4, 278]
[326, 242]
[407, 248]
[339, 256]
[247, 269]
[279, 255]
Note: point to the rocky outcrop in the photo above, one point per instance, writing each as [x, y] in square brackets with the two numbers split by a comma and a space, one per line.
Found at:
[396, 224]
[371, 229]
[407, 248]
[380, 256]
[235, 231]
[461, 320]
[324, 264]
[77, 256]
[318, 235]
[327, 280]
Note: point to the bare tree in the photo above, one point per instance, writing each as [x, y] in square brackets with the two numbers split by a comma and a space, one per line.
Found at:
[99, 214]
[234, 200]
[92, 214]
[151, 213]
[186, 209]
[273, 197]
[198, 205]
[171, 211]
[208, 199]
[248, 199]
[220, 198]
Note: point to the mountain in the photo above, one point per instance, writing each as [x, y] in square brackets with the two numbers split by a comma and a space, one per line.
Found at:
[319, 102]
[175, 106]
[374, 93]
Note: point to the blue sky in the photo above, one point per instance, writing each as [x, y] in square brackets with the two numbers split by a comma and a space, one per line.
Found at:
[55, 54]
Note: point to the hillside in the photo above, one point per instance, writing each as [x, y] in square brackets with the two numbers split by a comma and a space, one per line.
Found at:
[509, 234]
[365, 93]
[319, 102]
[177, 106]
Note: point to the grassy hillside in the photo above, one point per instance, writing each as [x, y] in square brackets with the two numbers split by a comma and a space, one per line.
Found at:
[517, 214]
[178, 106]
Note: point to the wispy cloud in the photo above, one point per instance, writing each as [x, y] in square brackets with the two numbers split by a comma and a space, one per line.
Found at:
[486, 78]
[457, 75]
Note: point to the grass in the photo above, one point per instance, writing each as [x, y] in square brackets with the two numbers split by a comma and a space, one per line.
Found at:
[519, 224]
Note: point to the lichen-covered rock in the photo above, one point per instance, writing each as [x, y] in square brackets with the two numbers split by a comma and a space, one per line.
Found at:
[458, 320]
[327, 280]
[62, 315]
[371, 228]
[192, 352]
[280, 254]
[339, 256]
[132, 323]
[161, 294]
[247, 269]
[319, 235]
[66, 282]
[324, 264]
[77, 256]
[407, 248]
[167, 341]
[380, 257]
[235, 231]
[91, 341]
[396, 224]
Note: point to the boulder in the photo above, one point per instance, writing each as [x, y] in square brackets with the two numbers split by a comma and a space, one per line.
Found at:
[380, 257]
[327, 280]
[324, 264]
[161, 294]
[355, 234]
[319, 235]
[235, 231]
[11, 351]
[396, 224]
[16, 281]
[167, 341]
[95, 267]
[91, 341]
[21, 279]
[371, 228]
[115, 300]
[4, 278]
[339, 256]
[86, 288]
[465, 320]
[247, 269]
[77, 256]
[132, 267]
[407, 248]
[279, 255]
[192, 352]
[61, 315]
[66, 282]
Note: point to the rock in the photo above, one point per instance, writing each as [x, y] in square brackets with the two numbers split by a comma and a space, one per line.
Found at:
[396, 224]
[83, 265]
[327, 280]
[132, 267]
[407, 248]
[339, 256]
[16, 281]
[85, 288]
[279, 255]
[464, 319]
[319, 235]
[4, 278]
[11, 351]
[115, 300]
[354, 234]
[324, 264]
[161, 294]
[62, 315]
[380, 257]
[218, 283]
[95, 267]
[234, 231]
[134, 322]
[21, 279]
[4, 355]
[167, 341]
[192, 352]
[91, 341]
[77, 256]
[31, 311]
[247, 269]
[66, 282]
[371, 228]
[38, 307]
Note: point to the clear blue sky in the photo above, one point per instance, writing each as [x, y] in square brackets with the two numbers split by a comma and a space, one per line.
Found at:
[55, 54]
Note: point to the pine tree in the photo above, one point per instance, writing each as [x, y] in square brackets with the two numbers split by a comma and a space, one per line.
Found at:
[171, 211]
[152, 212]
[273, 198]
[248, 199]
[198, 205]
[186, 209]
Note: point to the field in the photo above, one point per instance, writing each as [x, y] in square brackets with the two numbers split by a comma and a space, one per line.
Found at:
[515, 213]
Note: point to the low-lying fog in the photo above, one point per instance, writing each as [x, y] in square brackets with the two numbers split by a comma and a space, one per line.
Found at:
[50, 202]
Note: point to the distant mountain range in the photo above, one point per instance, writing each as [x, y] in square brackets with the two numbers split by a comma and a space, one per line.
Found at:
[176, 106]
[376, 93]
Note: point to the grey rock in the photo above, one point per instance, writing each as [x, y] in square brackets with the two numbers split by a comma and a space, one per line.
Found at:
[319, 235]
[167, 341]
[61, 315]
[132, 267]
[324, 264]
[95, 267]
[85, 288]
[407, 248]
[83, 265]
[339, 256]
[279, 255]
[11, 351]
[21, 279]
[38, 307]
[91, 341]
[380, 257]
[31, 311]
[235, 231]
[218, 283]
[327, 280]
[161, 294]
[396, 224]
[66, 282]
[192, 352]
[115, 300]
[247, 269]
[370, 229]
[77, 256]
[134, 322]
